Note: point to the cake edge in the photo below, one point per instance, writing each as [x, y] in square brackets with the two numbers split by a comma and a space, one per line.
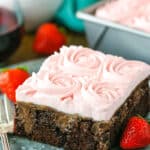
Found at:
[44, 124]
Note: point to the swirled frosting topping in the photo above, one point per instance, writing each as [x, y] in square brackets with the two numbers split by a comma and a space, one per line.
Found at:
[123, 12]
[82, 81]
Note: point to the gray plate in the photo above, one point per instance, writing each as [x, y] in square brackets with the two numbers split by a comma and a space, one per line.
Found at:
[18, 143]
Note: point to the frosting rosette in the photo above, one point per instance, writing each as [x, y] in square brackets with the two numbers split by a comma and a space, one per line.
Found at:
[118, 69]
[101, 92]
[58, 87]
[80, 61]
[63, 86]
[104, 95]
[59, 91]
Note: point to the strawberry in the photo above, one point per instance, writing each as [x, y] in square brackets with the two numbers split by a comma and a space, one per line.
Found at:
[48, 39]
[10, 79]
[136, 134]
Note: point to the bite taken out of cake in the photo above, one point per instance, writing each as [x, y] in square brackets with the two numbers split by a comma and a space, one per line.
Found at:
[81, 99]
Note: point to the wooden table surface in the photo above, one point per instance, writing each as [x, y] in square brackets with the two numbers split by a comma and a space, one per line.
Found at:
[25, 52]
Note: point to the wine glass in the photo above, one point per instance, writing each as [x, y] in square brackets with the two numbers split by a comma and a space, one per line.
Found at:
[11, 28]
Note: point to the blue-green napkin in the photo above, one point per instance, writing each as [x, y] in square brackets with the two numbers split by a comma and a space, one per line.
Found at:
[66, 14]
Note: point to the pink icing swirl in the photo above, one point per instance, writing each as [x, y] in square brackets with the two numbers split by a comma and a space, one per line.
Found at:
[102, 93]
[60, 85]
[118, 69]
[81, 61]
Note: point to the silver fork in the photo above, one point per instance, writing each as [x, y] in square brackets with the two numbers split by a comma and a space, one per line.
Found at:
[6, 120]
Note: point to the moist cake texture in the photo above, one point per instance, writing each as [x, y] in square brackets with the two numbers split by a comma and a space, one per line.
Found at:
[81, 98]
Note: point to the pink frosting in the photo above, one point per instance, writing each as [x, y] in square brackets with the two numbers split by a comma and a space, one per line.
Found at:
[133, 13]
[82, 81]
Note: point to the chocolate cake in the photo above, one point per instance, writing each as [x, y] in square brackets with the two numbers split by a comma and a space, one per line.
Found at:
[49, 113]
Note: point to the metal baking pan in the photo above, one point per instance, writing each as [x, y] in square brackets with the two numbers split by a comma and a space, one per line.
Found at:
[114, 38]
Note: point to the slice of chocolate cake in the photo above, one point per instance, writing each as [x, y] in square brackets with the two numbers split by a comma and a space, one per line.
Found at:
[81, 99]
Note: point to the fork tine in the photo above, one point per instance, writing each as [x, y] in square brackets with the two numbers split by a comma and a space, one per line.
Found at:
[10, 109]
[2, 111]
[5, 120]
[5, 142]
[6, 108]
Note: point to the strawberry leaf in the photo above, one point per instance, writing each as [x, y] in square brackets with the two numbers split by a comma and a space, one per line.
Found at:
[4, 69]
[25, 68]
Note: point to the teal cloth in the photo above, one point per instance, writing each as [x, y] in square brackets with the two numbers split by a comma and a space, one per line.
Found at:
[66, 14]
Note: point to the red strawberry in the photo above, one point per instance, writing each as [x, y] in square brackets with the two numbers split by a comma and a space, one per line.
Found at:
[48, 39]
[10, 79]
[136, 134]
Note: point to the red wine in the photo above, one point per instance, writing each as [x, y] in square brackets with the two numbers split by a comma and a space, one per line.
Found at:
[10, 33]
